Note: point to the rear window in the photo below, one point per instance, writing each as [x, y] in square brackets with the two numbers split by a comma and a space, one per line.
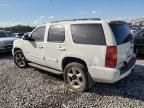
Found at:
[88, 34]
[121, 33]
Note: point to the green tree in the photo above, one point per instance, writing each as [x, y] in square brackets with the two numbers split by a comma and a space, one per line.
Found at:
[19, 29]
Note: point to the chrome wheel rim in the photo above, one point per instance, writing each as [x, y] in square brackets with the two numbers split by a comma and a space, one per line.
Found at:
[20, 60]
[75, 78]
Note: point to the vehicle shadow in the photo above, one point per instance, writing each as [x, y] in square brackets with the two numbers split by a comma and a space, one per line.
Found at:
[6, 56]
[131, 87]
[59, 77]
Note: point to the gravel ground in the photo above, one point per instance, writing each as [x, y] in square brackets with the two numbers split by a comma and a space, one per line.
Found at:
[32, 88]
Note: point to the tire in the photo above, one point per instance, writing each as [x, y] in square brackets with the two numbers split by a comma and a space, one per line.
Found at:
[19, 59]
[76, 77]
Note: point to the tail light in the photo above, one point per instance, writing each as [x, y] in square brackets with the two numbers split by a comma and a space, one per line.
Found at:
[111, 56]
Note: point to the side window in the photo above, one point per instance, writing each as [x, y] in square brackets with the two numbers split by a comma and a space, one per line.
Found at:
[92, 34]
[56, 34]
[38, 34]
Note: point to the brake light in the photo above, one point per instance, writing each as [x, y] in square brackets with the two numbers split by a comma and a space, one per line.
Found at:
[111, 56]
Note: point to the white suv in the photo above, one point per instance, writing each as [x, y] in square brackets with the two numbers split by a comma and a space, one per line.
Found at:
[83, 50]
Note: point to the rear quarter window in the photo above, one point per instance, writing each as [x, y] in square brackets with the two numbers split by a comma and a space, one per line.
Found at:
[92, 34]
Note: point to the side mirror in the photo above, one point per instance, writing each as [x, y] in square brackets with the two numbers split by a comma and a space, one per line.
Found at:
[26, 37]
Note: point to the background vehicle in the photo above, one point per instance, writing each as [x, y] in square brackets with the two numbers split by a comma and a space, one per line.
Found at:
[134, 29]
[6, 41]
[139, 41]
[19, 35]
[83, 50]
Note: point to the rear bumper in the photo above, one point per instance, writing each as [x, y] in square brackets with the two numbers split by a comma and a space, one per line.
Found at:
[111, 75]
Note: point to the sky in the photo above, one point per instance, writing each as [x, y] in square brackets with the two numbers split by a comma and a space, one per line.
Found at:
[34, 12]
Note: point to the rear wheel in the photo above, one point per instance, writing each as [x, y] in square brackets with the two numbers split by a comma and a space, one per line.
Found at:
[75, 75]
[19, 59]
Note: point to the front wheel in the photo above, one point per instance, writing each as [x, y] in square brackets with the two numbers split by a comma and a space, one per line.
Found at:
[19, 59]
[75, 75]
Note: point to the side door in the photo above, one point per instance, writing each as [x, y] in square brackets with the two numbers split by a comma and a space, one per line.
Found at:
[55, 47]
[35, 46]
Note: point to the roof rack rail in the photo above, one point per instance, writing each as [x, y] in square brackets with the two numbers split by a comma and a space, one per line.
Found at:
[84, 19]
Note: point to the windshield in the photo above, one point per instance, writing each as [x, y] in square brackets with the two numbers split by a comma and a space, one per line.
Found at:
[121, 33]
[4, 34]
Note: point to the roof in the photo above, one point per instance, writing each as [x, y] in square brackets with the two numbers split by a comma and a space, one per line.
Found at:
[74, 21]
[84, 19]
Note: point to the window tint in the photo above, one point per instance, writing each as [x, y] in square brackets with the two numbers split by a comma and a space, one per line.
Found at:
[4, 34]
[88, 34]
[38, 34]
[56, 33]
[121, 33]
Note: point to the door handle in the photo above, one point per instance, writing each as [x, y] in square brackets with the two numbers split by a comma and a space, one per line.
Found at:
[61, 48]
[40, 47]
